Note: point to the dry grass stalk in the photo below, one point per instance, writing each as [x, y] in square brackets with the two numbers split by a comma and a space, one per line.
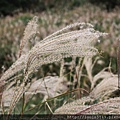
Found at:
[118, 62]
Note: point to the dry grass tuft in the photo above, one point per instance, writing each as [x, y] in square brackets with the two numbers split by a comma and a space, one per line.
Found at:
[75, 40]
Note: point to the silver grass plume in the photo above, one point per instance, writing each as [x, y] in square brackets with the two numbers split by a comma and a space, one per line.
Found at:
[16, 67]
[111, 106]
[75, 106]
[76, 43]
[30, 31]
[105, 87]
[101, 75]
[65, 29]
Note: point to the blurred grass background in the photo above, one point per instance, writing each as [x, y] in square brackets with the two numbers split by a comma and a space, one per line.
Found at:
[53, 15]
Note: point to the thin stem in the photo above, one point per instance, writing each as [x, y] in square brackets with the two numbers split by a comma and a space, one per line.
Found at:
[118, 63]
[23, 103]
[49, 107]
